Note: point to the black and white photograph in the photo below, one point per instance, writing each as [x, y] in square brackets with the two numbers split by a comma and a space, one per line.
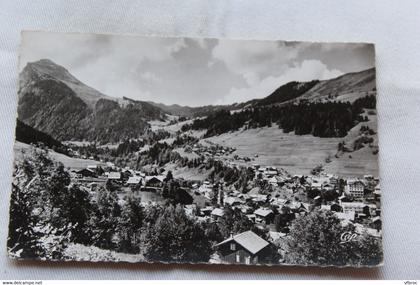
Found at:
[148, 149]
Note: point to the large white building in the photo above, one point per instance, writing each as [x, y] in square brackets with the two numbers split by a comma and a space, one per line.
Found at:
[356, 207]
[355, 188]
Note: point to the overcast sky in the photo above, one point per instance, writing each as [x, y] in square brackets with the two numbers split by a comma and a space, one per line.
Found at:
[191, 72]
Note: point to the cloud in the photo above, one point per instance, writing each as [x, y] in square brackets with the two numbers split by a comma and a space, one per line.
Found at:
[151, 77]
[188, 71]
[254, 58]
[306, 71]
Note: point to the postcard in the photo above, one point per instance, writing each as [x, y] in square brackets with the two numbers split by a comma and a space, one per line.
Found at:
[195, 150]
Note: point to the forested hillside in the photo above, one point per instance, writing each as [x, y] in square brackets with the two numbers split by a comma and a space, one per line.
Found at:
[29, 135]
[330, 119]
[51, 100]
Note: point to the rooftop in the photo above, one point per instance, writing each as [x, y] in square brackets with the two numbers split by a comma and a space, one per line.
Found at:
[114, 175]
[248, 240]
[263, 212]
[218, 212]
[134, 180]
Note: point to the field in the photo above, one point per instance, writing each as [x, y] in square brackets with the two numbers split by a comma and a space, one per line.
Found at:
[299, 154]
[20, 149]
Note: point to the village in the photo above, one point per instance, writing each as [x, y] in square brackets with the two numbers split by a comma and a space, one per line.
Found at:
[271, 200]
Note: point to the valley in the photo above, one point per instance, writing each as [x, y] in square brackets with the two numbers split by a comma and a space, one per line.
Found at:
[252, 167]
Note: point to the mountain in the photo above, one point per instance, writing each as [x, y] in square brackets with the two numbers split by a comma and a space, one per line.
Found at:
[348, 87]
[53, 101]
[186, 111]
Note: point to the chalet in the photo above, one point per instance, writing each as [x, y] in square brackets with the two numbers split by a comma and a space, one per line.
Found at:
[86, 172]
[258, 198]
[315, 185]
[217, 213]
[264, 215]
[348, 216]
[277, 202]
[154, 181]
[355, 188]
[232, 201]
[92, 167]
[206, 211]
[275, 181]
[114, 176]
[357, 207]
[245, 248]
[134, 181]
[271, 171]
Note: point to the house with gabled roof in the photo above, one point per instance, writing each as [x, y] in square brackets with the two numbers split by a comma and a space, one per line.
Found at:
[245, 248]
[264, 215]
[232, 201]
[217, 213]
[154, 181]
[85, 172]
[134, 181]
[114, 176]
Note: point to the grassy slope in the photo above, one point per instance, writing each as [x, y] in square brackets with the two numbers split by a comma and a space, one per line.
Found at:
[91, 253]
[300, 154]
[362, 161]
[21, 149]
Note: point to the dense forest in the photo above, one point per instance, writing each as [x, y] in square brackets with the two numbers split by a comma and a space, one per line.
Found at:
[330, 119]
[29, 135]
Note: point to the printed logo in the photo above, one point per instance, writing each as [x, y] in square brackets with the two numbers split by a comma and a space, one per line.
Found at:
[348, 237]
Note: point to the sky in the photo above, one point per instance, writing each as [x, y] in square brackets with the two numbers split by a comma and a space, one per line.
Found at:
[192, 72]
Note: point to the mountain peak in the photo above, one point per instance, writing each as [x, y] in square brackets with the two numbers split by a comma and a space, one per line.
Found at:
[46, 69]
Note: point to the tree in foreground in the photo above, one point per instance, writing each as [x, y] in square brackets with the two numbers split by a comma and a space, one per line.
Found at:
[176, 238]
[316, 239]
[129, 226]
